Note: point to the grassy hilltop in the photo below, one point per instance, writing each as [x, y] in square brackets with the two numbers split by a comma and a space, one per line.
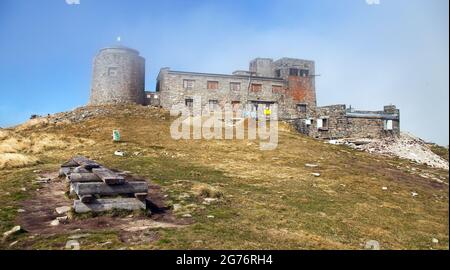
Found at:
[260, 199]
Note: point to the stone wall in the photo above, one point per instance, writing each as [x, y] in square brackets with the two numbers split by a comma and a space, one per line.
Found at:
[170, 86]
[282, 88]
[118, 77]
[340, 122]
[262, 67]
[151, 99]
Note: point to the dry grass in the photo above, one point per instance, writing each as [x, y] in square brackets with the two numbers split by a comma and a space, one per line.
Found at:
[15, 160]
[268, 199]
[206, 191]
[33, 123]
[18, 150]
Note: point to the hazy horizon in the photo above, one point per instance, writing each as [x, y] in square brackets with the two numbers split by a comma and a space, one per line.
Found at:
[367, 56]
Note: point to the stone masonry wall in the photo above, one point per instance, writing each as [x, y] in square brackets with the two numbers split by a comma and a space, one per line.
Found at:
[343, 123]
[118, 77]
[172, 90]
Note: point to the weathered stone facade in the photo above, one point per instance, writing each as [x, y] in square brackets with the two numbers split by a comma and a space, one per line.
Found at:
[118, 76]
[336, 121]
[265, 83]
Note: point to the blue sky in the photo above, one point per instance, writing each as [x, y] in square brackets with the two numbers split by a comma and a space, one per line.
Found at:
[367, 55]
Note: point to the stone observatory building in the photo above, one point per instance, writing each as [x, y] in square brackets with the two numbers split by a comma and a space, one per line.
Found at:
[288, 83]
[118, 76]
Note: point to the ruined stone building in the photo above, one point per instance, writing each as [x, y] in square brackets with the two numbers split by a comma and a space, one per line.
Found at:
[289, 83]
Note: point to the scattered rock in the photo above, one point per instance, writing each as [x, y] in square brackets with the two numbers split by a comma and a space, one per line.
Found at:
[13, 243]
[42, 180]
[311, 165]
[73, 245]
[23, 189]
[187, 216]
[21, 211]
[176, 207]
[119, 153]
[414, 194]
[384, 188]
[372, 245]
[63, 218]
[209, 200]
[183, 196]
[14, 230]
[316, 174]
[405, 146]
[62, 210]
[54, 222]
[435, 241]
[210, 216]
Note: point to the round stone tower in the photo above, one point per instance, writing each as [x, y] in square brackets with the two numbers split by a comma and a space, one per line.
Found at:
[118, 76]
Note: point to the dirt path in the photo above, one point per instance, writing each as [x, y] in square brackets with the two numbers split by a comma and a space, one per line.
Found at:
[40, 212]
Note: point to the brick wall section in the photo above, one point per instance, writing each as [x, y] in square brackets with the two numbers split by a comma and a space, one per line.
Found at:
[301, 90]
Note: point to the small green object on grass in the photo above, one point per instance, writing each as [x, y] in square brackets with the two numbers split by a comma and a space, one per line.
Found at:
[116, 135]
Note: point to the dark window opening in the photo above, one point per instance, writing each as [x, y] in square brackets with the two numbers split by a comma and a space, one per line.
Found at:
[301, 108]
[112, 71]
[304, 73]
[189, 103]
[278, 73]
[293, 72]
[322, 124]
[213, 105]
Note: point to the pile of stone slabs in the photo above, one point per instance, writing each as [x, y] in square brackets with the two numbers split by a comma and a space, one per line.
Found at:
[100, 189]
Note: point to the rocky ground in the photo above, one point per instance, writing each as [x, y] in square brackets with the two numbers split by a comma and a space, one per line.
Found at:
[406, 146]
